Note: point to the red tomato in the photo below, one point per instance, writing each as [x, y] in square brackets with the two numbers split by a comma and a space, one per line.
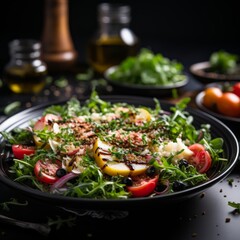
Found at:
[44, 120]
[20, 150]
[211, 96]
[229, 104]
[143, 187]
[45, 171]
[236, 89]
[196, 147]
[201, 158]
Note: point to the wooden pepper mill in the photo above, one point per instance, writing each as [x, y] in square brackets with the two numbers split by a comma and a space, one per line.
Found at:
[57, 46]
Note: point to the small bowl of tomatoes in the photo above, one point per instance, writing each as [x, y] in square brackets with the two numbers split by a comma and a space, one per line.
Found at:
[221, 99]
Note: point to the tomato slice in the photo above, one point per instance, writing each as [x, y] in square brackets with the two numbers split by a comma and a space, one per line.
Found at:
[143, 187]
[45, 171]
[20, 150]
[196, 147]
[201, 158]
[44, 120]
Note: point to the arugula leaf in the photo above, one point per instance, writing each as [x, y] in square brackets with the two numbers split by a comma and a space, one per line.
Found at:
[19, 136]
[234, 205]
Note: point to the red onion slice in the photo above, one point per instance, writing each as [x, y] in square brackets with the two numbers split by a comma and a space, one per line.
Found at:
[165, 183]
[61, 181]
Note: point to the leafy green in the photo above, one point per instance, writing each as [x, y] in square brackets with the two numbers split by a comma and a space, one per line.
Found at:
[93, 184]
[70, 109]
[12, 108]
[235, 205]
[223, 62]
[148, 68]
[173, 172]
[19, 136]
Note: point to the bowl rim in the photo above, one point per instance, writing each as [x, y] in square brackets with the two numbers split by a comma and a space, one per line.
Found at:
[198, 70]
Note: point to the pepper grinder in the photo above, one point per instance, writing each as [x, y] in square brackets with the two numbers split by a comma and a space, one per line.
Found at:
[58, 50]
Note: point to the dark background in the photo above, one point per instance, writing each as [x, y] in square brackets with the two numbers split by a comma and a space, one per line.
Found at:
[185, 30]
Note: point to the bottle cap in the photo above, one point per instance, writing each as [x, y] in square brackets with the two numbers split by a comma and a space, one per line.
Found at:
[21, 48]
[114, 13]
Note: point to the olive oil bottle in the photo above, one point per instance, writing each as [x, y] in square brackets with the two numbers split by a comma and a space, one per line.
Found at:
[25, 72]
[113, 41]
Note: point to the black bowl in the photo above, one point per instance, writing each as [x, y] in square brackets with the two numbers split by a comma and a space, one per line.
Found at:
[225, 119]
[201, 71]
[21, 119]
[143, 90]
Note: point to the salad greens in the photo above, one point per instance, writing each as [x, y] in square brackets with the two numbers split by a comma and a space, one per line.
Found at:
[223, 62]
[148, 68]
[235, 205]
[138, 134]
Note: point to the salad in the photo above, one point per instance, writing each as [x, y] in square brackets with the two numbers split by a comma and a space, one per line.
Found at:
[223, 62]
[150, 69]
[102, 150]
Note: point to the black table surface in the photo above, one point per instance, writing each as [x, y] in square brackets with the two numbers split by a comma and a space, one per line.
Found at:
[204, 216]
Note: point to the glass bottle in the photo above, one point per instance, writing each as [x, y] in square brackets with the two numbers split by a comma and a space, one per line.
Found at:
[113, 41]
[25, 72]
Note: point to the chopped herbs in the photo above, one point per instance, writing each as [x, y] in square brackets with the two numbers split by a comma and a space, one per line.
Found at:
[230, 181]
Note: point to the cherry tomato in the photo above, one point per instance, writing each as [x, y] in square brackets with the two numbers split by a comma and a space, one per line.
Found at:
[201, 158]
[236, 89]
[196, 147]
[45, 171]
[229, 104]
[143, 186]
[20, 150]
[211, 96]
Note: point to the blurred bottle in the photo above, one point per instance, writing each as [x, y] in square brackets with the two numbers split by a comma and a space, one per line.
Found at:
[58, 50]
[113, 41]
[25, 72]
